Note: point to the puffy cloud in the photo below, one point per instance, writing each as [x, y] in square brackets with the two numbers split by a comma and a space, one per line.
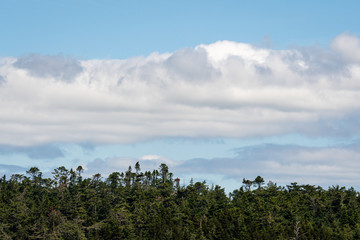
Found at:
[348, 46]
[190, 65]
[58, 66]
[225, 89]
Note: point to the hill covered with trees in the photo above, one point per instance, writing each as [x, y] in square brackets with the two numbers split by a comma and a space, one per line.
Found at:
[151, 205]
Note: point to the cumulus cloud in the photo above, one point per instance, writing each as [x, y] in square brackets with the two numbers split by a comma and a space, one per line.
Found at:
[56, 66]
[348, 46]
[224, 89]
[190, 65]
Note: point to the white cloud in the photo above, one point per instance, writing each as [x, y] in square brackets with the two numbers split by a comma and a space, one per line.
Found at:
[58, 66]
[121, 164]
[2, 80]
[348, 46]
[225, 89]
[283, 164]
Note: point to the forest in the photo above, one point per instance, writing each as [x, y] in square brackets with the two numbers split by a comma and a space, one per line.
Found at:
[153, 205]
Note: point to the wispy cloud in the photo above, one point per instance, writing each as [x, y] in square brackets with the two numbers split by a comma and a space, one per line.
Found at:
[121, 164]
[283, 164]
[9, 170]
[49, 151]
[225, 89]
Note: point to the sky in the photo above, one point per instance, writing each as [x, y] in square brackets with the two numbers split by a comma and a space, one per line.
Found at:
[217, 90]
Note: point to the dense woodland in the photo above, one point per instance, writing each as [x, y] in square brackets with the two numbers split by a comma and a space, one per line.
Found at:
[151, 205]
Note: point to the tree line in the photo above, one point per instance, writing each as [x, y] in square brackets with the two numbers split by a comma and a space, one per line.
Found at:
[149, 205]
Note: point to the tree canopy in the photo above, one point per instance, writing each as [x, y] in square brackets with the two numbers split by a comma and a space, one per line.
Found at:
[149, 205]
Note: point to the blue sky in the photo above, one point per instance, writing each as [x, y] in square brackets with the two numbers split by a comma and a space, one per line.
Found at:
[122, 29]
[220, 91]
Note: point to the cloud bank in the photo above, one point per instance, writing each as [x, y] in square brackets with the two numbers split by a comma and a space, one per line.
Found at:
[225, 89]
[283, 164]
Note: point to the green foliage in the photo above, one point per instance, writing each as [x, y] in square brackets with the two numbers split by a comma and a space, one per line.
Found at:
[137, 205]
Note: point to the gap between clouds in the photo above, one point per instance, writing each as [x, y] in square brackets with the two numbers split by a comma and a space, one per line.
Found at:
[221, 90]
